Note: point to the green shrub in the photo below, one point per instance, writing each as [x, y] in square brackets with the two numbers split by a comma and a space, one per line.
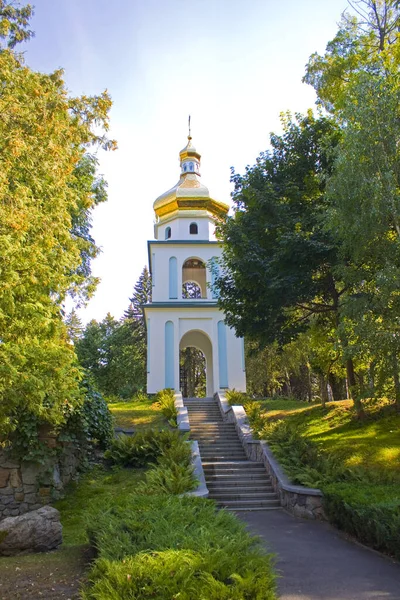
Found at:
[189, 540]
[96, 417]
[365, 512]
[174, 472]
[236, 398]
[165, 401]
[182, 574]
[142, 448]
[169, 478]
[140, 397]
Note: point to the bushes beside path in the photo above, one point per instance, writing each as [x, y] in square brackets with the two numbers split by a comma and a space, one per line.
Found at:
[355, 462]
[165, 547]
[152, 541]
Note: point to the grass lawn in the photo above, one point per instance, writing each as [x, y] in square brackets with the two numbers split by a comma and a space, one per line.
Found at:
[372, 445]
[138, 414]
[280, 408]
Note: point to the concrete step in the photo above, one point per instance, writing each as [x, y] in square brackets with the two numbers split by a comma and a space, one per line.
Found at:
[240, 486]
[236, 448]
[222, 457]
[209, 437]
[200, 419]
[246, 464]
[220, 443]
[240, 508]
[249, 504]
[212, 428]
[227, 495]
[237, 480]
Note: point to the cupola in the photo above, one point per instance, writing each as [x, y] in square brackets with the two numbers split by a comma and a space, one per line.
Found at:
[189, 194]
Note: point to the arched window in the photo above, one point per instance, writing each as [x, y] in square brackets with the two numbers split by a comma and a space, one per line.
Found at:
[193, 229]
[168, 233]
[194, 284]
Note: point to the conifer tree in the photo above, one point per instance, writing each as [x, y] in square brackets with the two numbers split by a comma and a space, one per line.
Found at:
[48, 188]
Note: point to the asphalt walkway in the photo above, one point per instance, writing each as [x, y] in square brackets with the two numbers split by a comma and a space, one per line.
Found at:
[316, 562]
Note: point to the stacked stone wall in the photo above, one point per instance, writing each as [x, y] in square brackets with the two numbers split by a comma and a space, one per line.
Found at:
[26, 486]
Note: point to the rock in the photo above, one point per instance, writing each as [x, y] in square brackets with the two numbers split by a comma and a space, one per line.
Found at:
[30, 472]
[36, 531]
[15, 478]
[4, 475]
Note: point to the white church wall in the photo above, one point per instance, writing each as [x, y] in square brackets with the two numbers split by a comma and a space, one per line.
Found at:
[180, 228]
[161, 253]
[192, 320]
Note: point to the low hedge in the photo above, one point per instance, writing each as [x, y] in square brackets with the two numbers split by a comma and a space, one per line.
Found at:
[165, 547]
[367, 513]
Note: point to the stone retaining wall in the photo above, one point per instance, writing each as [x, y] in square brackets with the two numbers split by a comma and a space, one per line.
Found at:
[299, 500]
[26, 486]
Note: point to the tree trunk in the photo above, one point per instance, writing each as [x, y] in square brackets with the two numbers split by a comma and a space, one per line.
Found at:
[351, 379]
[288, 384]
[324, 390]
[396, 380]
[371, 372]
[309, 387]
[337, 387]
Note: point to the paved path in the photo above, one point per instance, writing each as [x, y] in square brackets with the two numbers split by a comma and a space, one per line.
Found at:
[316, 563]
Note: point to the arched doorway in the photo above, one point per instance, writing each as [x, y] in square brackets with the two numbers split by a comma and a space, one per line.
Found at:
[200, 360]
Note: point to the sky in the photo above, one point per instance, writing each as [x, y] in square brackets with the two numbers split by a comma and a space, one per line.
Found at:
[233, 65]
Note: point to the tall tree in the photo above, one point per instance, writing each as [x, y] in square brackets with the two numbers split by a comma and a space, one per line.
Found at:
[372, 29]
[358, 80]
[45, 136]
[279, 260]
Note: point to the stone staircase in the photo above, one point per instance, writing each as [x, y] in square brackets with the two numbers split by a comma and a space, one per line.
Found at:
[233, 481]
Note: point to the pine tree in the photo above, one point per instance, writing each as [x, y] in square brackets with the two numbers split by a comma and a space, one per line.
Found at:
[74, 326]
[141, 295]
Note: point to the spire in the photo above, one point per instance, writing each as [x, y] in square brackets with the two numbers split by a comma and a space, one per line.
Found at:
[189, 157]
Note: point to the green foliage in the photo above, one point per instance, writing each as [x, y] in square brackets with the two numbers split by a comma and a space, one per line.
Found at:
[191, 544]
[169, 478]
[235, 397]
[165, 401]
[278, 259]
[367, 513]
[354, 463]
[97, 488]
[14, 23]
[192, 367]
[174, 472]
[93, 420]
[115, 351]
[141, 448]
[359, 40]
[176, 573]
[137, 414]
[48, 189]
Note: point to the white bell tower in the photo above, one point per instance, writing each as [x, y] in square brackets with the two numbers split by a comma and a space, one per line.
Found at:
[183, 262]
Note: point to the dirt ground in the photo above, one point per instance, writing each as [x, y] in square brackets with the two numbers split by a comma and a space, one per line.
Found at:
[52, 576]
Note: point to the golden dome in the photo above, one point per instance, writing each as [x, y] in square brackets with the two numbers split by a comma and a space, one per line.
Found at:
[189, 193]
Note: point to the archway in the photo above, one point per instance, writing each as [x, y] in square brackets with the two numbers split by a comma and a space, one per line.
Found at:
[199, 359]
[194, 279]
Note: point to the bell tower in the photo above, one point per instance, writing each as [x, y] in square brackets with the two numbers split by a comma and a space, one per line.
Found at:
[183, 261]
